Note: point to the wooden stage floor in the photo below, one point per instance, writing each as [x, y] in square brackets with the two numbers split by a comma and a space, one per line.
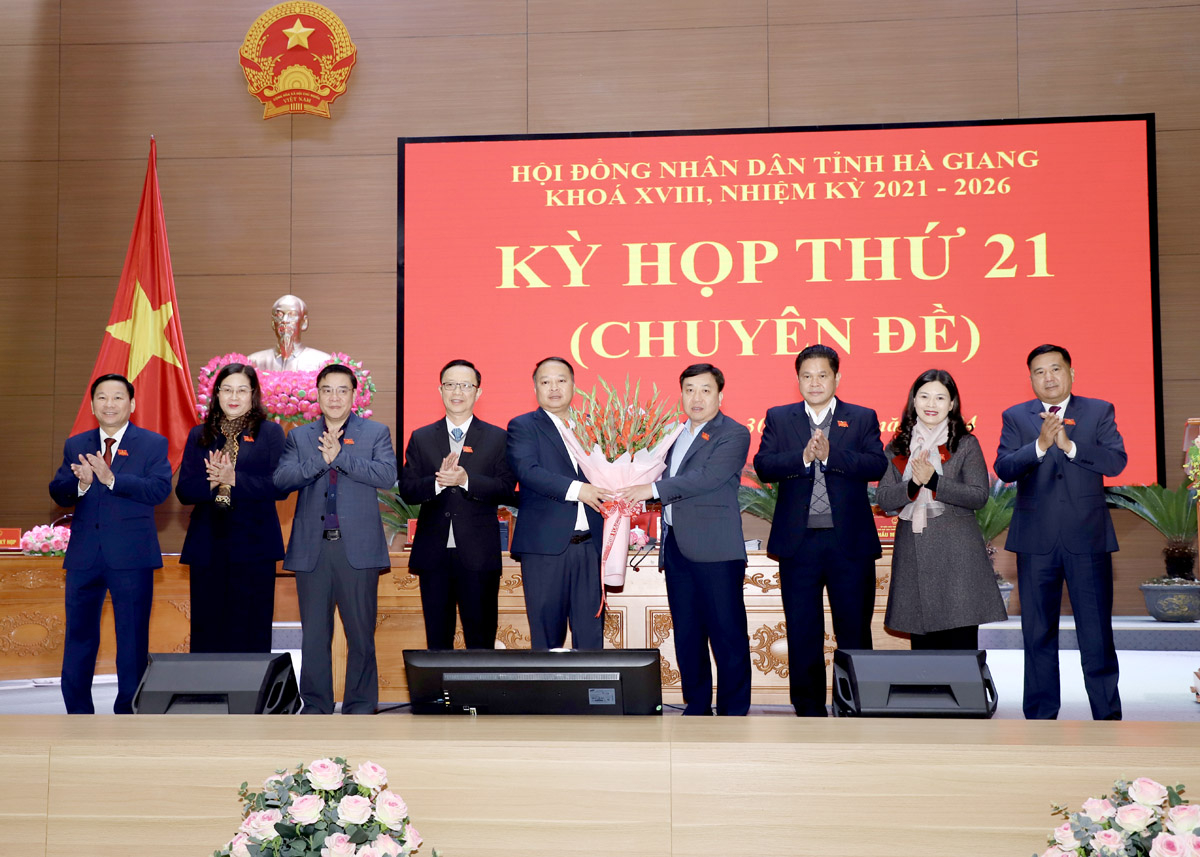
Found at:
[486, 787]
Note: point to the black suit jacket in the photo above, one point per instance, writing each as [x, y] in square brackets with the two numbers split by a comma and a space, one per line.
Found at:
[490, 483]
[855, 459]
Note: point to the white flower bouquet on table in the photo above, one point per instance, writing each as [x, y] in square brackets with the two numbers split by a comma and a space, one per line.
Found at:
[1139, 819]
[322, 810]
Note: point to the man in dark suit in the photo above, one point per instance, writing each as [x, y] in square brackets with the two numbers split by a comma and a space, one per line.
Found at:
[113, 476]
[822, 453]
[337, 547]
[1058, 448]
[704, 551]
[559, 526]
[457, 470]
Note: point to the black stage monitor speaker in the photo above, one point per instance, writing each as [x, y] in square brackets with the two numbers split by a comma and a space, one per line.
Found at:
[912, 684]
[218, 684]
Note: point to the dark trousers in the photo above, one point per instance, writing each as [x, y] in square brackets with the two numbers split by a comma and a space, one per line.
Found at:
[850, 583]
[355, 593]
[562, 590]
[951, 639]
[708, 607]
[472, 592]
[131, 591]
[232, 606]
[1089, 584]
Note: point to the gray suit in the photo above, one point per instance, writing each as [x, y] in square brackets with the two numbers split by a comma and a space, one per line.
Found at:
[942, 577]
[704, 562]
[342, 571]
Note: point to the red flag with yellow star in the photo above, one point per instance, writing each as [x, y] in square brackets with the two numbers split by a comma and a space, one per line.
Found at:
[144, 339]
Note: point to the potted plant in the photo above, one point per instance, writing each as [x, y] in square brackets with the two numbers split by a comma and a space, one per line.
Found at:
[1174, 597]
[758, 498]
[993, 519]
[395, 512]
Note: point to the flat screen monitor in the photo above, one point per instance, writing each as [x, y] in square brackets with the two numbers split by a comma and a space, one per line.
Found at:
[518, 681]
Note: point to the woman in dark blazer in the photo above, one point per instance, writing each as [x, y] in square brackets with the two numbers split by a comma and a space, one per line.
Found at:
[942, 586]
[233, 540]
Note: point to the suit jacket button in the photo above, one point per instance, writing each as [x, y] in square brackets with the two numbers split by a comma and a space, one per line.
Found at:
[1060, 476]
[447, 514]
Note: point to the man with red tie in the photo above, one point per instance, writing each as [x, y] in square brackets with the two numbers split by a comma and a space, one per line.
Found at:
[1058, 448]
[113, 476]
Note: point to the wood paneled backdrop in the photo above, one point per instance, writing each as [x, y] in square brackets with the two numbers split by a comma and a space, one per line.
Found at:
[298, 204]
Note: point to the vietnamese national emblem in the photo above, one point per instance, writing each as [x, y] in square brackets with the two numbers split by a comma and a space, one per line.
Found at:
[297, 58]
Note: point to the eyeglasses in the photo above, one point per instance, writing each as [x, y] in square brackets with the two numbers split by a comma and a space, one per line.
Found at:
[454, 387]
[340, 391]
[234, 391]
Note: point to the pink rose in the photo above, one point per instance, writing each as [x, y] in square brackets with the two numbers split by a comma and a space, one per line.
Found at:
[369, 850]
[638, 537]
[414, 839]
[237, 846]
[390, 809]
[1065, 838]
[1134, 817]
[338, 845]
[1098, 809]
[325, 774]
[371, 776]
[1147, 792]
[306, 809]
[1167, 845]
[386, 846]
[1184, 818]
[1109, 843]
[1193, 843]
[261, 825]
[354, 809]
[1056, 851]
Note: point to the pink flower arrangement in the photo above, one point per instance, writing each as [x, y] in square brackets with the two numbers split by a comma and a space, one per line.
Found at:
[323, 809]
[288, 397]
[45, 540]
[1142, 818]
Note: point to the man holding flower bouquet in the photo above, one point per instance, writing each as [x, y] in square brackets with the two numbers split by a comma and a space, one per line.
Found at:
[704, 551]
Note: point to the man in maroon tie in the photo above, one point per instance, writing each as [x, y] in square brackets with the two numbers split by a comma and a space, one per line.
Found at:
[1058, 448]
[113, 476]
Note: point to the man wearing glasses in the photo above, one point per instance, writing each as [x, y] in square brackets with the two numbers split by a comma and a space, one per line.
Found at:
[457, 470]
[337, 548]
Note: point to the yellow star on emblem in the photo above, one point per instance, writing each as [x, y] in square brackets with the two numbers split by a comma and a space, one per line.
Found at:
[145, 331]
[298, 34]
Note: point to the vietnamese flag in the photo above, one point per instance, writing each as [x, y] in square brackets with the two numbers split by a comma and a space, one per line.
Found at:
[144, 339]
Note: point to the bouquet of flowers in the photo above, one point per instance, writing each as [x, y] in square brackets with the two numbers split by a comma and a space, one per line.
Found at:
[1191, 465]
[323, 811]
[1139, 819]
[45, 540]
[619, 443]
[288, 397]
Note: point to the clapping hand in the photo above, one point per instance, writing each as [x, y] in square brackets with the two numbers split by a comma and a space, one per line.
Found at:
[817, 448]
[922, 468]
[83, 471]
[330, 444]
[220, 469]
[451, 472]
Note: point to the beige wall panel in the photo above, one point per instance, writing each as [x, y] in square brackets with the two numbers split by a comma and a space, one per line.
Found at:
[29, 22]
[1179, 297]
[84, 304]
[191, 97]
[28, 218]
[30, 102]
[648, 80]
[355, 314]
[224, 215]
[344, 215]
[383, 409]
[1038, 7]
[1178, 191]
[23, 797]
[1112, 62]
[229, 313]
[574, 16]
[228, 20]
[29, 445]
[27, 339]
[422, 87]
[906, 71]
[809, 12]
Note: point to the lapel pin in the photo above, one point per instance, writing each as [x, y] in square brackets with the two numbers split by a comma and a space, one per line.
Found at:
[349, 441]
[843, 424]
[704, 435]
[1068, 422]
[247, 438]
[467, 449]
[123, 452]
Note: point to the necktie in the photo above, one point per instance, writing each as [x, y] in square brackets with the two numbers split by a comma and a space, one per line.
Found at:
[109, 442]
[457, 434]
[1054, 409]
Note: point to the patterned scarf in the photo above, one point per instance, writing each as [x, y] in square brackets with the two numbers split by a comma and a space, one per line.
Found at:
[920, 509]
[232, 429]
